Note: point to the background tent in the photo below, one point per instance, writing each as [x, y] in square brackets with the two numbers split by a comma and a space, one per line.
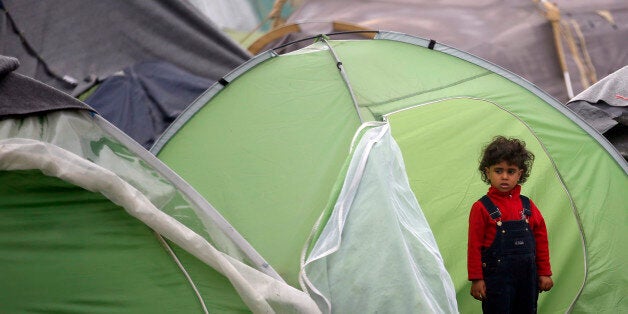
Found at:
[145, 98]
[270, 148]
[73, 45]
[517, 35]
[87, 40]
[605, 106]
[85, 213]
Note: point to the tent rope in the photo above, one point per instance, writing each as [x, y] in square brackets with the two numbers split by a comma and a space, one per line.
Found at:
[182, 268]
[344, 77]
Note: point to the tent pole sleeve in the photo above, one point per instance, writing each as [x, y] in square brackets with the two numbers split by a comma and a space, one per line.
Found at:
[344, 78]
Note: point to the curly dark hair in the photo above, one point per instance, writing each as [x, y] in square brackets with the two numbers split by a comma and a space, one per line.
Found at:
[510, 150]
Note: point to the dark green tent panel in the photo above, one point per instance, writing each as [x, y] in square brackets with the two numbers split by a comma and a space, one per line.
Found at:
[66, 249]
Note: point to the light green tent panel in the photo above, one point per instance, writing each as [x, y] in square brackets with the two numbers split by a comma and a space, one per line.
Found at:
[267, 163]
[64, 249]
[446, 185]
[267, 146]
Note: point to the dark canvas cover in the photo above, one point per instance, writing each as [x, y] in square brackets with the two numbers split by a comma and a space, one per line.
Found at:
[69, 44]
[145, 98]
[22, 95]
[514, 34]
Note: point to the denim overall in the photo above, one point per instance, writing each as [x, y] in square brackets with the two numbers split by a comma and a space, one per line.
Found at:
[509, 264]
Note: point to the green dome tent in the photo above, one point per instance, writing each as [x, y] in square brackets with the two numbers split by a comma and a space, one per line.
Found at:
[91, 222]
[301, 152]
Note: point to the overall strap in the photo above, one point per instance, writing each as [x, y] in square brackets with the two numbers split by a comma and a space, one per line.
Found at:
[525, 201]
[493, 211]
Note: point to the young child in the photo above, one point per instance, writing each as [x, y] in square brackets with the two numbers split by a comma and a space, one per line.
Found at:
[508, 255]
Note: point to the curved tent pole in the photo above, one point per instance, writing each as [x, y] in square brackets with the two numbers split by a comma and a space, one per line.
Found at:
[344, 77]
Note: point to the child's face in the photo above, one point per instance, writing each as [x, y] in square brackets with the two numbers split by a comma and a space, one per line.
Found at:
[503, 176]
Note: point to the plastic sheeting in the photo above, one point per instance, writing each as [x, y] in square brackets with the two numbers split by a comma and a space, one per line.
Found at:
[377, 252]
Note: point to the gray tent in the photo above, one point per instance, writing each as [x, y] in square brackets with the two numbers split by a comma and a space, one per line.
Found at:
[519, 35]
[69, 44]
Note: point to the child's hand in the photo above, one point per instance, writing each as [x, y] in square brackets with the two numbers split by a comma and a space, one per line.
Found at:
[545, 283]
[478, 289]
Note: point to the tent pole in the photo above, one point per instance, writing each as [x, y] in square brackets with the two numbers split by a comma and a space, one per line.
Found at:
[552, 13]
[344, 77]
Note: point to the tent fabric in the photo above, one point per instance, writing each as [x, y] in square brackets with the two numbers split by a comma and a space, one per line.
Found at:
[249, 156]
[82, 149]
[377, 212]
[8, 64]
[74, 43]
[605, 106]
[611, 90]
[155, 91]
[523, 42]
[268, 149]
[24, 96]
[567, 252]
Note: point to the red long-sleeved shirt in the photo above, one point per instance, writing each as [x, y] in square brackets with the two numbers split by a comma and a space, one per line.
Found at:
[482, 230]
